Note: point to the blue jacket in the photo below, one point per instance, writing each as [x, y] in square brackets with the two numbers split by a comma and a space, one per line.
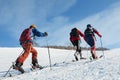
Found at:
[37, 33]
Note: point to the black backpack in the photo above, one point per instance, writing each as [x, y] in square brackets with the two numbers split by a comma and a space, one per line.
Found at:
[74, 33]
[89, 31]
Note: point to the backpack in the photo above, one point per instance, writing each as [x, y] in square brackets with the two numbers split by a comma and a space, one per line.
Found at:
[25, 35]
[74, 33]
[89, 31]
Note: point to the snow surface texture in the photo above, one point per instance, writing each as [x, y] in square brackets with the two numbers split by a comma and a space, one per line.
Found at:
[107, 68]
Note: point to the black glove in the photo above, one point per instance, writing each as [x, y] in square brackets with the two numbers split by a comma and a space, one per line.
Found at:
[46, 34]
[100, 36]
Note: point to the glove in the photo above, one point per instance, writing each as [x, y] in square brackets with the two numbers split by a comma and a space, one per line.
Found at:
[46, 34]
[100, 35]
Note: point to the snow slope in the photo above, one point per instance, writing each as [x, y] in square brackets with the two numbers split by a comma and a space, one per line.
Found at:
[107, 68]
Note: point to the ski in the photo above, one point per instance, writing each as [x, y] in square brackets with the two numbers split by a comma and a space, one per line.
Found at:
[79, 60]
[36, 68]
[91, 59]
[14, 72]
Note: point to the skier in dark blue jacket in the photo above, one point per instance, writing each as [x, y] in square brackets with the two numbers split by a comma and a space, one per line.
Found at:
[90, 39]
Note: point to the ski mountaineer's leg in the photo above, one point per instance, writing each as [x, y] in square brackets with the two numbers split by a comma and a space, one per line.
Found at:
[76, 44]
[75, 54]
[34, 59]
[79, 50]
[20, 60]
[81, 54]
[93, 52]
[76, 58]
[27, 49]
[91, 42]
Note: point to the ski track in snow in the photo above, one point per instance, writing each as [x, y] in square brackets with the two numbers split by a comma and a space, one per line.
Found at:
[107, 68]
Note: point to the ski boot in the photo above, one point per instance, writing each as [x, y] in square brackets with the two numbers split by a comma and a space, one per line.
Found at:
[76, 58]
[94, 56]
[18, 67]
[35, 65]
[82, 58]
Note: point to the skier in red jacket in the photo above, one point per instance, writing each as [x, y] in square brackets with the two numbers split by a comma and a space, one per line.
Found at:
[90, 39]
[26, 43]
[75, 39]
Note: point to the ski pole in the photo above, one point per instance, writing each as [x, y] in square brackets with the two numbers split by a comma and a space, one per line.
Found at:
[67, 57]
[8, 71]
[21, 53]
[48, 53]
[102, 47]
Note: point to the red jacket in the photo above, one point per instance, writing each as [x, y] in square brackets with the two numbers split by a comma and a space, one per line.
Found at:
[95, 31]
[25, 36]
[77, 37]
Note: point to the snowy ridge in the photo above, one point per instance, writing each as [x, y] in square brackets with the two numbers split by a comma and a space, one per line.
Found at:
[107, 68]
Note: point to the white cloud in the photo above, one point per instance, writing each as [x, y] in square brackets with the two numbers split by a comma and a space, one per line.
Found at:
[28, 11]
[108, 24]
[19, 14]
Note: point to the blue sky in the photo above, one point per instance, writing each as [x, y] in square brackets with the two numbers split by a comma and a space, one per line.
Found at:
[58, 17]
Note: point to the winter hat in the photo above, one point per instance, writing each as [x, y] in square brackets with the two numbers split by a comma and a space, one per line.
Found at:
[33, 26]
[89, 26]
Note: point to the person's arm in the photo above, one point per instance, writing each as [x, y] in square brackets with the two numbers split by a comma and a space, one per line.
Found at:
[38, 33]
[95, 31]
[80, 33]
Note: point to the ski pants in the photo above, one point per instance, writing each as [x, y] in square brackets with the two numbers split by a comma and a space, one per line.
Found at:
[91, 42]
[76, 43]
[27, 49]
